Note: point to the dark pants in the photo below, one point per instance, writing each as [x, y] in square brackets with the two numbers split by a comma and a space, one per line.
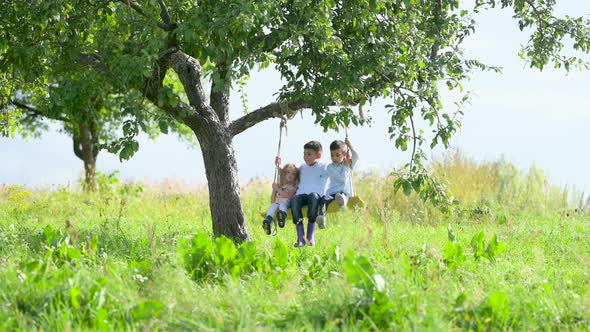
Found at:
[326, 200]
[312, 201]
[324, 205]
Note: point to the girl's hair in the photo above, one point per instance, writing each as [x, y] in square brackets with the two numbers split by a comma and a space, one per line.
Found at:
[283, 177]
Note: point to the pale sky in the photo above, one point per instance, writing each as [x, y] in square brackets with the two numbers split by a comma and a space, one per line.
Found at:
[527, 116]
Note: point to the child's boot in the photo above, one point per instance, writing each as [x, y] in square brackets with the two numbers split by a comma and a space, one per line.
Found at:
[341, 200]
[321, 220]
[266, 224]
[310, 233]
[281, 217]
[300, 235]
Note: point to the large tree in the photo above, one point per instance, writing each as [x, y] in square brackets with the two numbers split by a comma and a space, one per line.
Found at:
[331, 55]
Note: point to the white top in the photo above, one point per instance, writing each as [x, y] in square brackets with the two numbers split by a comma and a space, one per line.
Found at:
[312, 179]
[340, 176]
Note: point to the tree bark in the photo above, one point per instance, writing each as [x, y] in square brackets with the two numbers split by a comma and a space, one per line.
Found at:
[86, 149]
[210, 125]
[224, 191]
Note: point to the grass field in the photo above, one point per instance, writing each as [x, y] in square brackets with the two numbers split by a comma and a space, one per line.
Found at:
[513, 255]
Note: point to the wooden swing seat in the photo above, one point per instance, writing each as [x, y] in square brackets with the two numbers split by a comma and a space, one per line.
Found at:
[353, 202]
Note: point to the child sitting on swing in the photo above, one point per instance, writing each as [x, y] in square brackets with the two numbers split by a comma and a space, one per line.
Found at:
[281, 195]
[344, 158]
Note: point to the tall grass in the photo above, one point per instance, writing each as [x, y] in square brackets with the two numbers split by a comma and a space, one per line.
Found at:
[513, 255]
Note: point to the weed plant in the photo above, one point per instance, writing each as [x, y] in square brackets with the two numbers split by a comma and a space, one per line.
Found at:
[513, 255]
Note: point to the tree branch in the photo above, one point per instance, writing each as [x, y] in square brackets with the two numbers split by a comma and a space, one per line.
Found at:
[166, 26]
[93, 60]
[36, 112]
[153, 84]
[196, 115]
[153, 87]
[164, 12]
[437, 19]
[189, 71]
[219, 95]
[271, 40]
[414, 143]
[273, 110]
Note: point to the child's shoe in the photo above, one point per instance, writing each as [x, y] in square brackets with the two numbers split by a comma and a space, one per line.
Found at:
[321, 221]
[310, 233]
[266, 224]
[281, 217]
[299, 244]
[340, 200]
[300, 235]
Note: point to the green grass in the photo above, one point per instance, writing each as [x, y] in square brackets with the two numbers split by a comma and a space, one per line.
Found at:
[139, 259]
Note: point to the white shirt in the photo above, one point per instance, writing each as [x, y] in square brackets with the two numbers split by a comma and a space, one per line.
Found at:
[312, 179]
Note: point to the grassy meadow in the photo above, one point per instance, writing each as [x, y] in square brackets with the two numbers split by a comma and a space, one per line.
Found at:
[513, 255]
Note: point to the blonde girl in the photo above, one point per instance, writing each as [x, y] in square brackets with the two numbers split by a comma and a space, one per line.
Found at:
[281, 195]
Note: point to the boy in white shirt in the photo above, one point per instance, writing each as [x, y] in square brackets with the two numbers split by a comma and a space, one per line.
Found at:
[344, 158]
[313, 178]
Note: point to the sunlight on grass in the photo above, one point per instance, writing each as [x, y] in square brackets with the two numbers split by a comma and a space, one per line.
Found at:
[513, 255]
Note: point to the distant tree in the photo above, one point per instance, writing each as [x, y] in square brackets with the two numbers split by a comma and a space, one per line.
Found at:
[331, 55]
[95, 118]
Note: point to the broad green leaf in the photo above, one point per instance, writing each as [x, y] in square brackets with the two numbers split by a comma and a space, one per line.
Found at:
[75, 293]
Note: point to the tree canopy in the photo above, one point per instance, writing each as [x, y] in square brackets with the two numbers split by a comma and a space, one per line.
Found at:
[332, 56]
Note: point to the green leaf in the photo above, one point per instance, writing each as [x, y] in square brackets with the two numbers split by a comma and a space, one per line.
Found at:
[31, 266]
[494, 248]
[146, 310]
[101, 320]
[126, 152]
[454, 255]
[74, 253]
[226, 250]
[75, 293]
[407, 186]
[163, 126]
[52, 236]
[359, 272]
[477, 244]
[280, 254]
[499, 305]
[460, 302]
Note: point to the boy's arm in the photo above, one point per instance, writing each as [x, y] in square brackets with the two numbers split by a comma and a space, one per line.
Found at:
[352, 157]
[348, 159]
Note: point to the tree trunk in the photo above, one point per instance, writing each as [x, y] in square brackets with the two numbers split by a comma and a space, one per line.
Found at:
[90, 183]
[224, 191]
[86, 149]
[209, 120]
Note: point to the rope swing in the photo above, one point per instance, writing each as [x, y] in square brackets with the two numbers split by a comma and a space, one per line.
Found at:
[353, 201]
[277, 177]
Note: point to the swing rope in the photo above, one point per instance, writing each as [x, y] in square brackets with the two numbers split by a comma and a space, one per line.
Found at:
[277, 176]
[277, 170]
